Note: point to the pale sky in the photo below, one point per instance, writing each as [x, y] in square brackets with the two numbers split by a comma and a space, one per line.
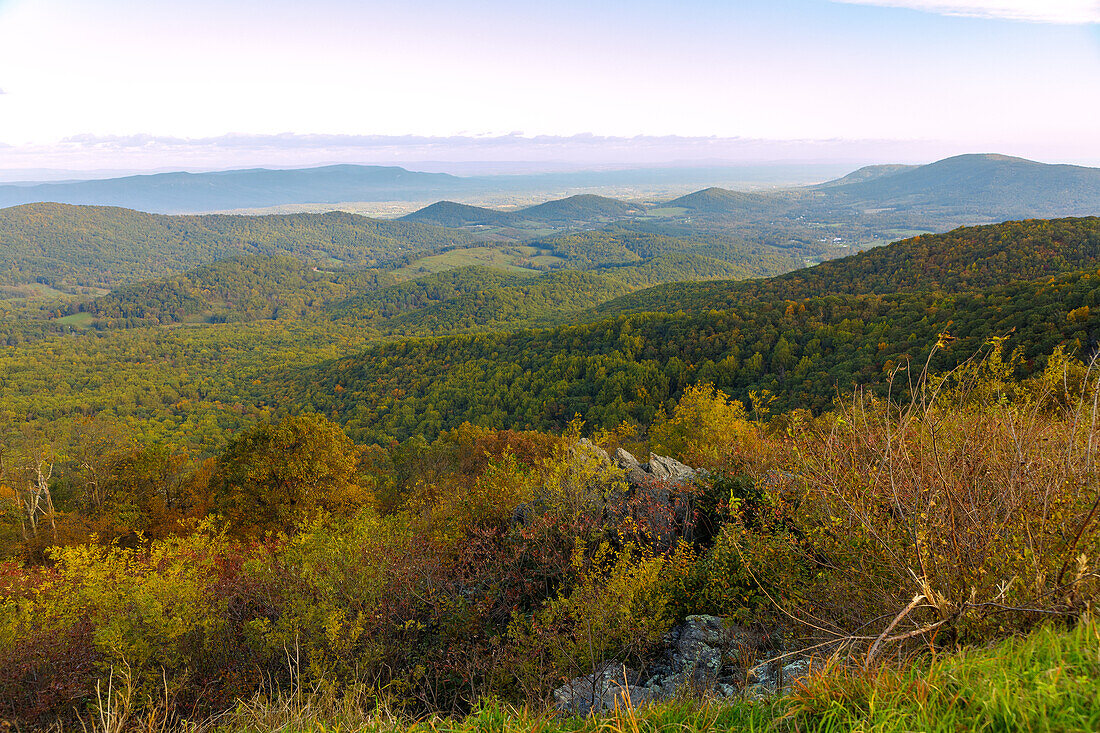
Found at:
[145, 83]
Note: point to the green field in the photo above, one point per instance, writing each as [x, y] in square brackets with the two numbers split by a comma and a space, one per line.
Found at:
[77, 320]
[665, 211]
[501, 257]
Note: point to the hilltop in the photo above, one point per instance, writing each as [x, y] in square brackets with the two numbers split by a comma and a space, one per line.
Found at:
[452, 214]
[722, 201]
[66, 245]
[964, 259]
[582, 208]
[995, 186]
[867, 173]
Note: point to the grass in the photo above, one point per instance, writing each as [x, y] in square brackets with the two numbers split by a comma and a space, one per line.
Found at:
[501, 258]
[77, 320]
[665, 211]
[1048, 681]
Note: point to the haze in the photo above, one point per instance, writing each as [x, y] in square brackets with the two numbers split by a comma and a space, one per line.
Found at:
[128, 85]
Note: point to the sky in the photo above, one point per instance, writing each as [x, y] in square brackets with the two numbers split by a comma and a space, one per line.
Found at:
[158, 84]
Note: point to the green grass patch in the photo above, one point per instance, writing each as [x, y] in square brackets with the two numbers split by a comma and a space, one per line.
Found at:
[1048, 681]
[501, 258]
[77, 320]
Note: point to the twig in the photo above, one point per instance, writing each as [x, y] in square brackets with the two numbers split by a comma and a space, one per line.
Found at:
[897, 619]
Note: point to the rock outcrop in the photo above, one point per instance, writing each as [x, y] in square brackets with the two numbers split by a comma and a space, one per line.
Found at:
[704, 656]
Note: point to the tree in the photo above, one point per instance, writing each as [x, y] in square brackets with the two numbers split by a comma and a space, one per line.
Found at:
[275, 475]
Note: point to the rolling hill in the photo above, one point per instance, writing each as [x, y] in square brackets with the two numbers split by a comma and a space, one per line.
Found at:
[579, 209]
[722, 201]
[784, 335]
[582, 207]
[994, 186]
[452, 214]
[475, 298]
[246, 288]
[62, 245]
[962, 260]
[237, 189]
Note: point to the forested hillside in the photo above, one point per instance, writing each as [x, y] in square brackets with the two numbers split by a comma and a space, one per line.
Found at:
[617, 246]
[996, 186]
[802, 336]
[66, 245]
[968, 258]
[477, 298]
[244, 288]
[803, 352]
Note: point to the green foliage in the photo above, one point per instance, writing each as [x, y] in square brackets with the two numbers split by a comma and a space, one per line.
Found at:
[1045, 681]
[94, 245]
[616, 610]
[238, 289]
[153, 614]
[275, 475]
[480, 299]
[966, 259]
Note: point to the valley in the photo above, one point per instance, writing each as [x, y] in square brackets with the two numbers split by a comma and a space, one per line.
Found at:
[409, 444]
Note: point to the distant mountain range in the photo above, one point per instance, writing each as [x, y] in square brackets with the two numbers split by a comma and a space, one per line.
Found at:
[580, 208]
[976, 188]
[998, 186]
[984, 186]
[190, 192]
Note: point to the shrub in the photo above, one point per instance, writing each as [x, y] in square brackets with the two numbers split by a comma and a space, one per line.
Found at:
[143, 617]
[974, 498]
[336, 601]
[707, 430]
[617, 610]
[273, 476]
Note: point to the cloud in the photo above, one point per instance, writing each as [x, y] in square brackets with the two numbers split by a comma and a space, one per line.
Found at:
[1067, 12]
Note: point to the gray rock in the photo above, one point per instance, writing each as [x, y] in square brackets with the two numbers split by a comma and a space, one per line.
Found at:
[703, 656]
[625, 461]
[669, 469]
[637, 477]
[596, 450]
[602, 691]
[775, 677]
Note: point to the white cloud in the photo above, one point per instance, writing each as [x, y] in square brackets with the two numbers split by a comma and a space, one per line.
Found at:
[1070, 12]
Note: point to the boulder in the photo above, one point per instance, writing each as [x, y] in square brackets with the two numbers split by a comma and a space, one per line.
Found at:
[703, 656]
[669, 469]
[625, 461]
[587, 445]
[614, 685]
